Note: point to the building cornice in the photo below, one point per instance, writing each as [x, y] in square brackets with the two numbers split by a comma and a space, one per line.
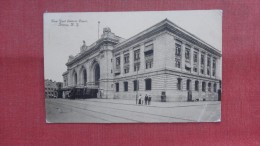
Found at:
[164, 25]
[170, 27]
[167, 71]
[93, 49]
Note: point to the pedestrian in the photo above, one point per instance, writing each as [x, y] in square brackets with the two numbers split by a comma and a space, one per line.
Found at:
[146, 99]
[136, 98]
[140, 99]
[149, 99]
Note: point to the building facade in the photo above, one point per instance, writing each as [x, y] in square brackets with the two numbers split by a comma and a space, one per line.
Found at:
[51, 88]
[162, 58]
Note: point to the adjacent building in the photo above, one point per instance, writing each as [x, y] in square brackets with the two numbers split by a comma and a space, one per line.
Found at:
[162, 58]
[52, 88]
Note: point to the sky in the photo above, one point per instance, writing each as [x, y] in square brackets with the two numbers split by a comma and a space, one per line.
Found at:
[64, 32]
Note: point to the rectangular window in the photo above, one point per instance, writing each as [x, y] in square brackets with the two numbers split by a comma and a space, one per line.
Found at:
[126, 58]
[188, 84]
[117, 61]
[209, 87]
[125, 86]
[203, 86]
[177, 55]
[177, 63]
[196, 85]
[179, 84]
[187, 54]
[126, 70]
[195, 69]
[117, 87]
[148, 84]
[148, 56]
[136, 85]
[195, 57]
[202, 61]
[137, 55]
[118, 68]
[177, 50]
[148, 64]
[136, 66]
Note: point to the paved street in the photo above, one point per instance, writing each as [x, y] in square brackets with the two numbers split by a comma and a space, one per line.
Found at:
[126, 111]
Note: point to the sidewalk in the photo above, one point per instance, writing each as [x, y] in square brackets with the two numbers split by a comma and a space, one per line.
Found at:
[153, 104]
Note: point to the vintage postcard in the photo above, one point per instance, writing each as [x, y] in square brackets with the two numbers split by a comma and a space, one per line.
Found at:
[133, 67]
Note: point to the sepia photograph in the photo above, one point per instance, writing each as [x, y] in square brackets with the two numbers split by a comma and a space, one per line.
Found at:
[133, 67]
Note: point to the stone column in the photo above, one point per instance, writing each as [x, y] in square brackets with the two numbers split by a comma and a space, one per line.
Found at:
[142, 59]
[78, 76]
[206, 87]
[199, 61]
[206, 64]
[218, 68]
[191, 58]
[88, 73]
[211, 65]
[183, 57]
[191, 85]
[122, 63]
[131, 61]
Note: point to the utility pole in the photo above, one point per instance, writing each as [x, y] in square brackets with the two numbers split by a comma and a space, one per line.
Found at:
[98, 28]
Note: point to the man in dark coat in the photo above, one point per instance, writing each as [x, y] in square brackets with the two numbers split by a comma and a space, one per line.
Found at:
[149, 99]
[146, 99]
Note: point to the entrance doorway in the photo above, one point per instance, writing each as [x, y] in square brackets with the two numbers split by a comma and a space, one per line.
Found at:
[188, 86]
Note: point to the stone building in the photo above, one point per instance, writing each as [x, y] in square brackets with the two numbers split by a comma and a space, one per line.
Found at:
[162, 58]
[50, 88]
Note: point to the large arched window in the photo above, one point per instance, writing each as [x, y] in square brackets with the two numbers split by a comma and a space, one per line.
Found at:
[75, 78]
[148, 84]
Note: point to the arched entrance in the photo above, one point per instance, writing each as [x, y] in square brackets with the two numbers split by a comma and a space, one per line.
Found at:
[96, 74]
[83, 76]
[75, 78]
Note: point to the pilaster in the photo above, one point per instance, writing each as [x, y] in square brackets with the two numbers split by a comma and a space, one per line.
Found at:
[122, 63]
[131, 61]
[142, 60]
[191, 58]
[199, 62]
[182, 57]
[206, 64]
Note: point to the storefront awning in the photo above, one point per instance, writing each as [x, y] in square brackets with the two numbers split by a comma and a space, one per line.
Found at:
[187, 65]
